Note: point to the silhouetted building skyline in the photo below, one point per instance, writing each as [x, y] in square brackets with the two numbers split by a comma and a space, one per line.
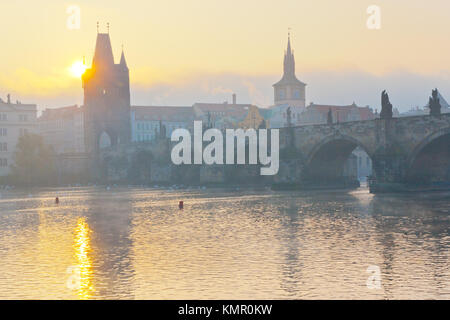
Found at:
[106, 97]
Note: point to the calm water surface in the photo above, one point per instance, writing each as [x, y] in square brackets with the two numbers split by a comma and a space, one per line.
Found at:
[136, 244]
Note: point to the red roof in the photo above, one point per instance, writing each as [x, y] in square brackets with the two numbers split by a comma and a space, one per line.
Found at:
[230, 110]
[164, 113]
[365, 113]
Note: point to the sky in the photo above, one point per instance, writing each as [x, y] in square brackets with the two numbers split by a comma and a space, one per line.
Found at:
[180, 52]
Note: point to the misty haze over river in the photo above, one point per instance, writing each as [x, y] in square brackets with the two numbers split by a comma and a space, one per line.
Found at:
[134, 243]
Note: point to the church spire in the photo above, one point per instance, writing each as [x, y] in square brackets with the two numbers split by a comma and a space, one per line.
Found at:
[289, 61]
[289, 43]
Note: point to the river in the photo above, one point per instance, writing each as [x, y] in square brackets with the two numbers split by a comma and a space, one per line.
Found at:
[135, 243]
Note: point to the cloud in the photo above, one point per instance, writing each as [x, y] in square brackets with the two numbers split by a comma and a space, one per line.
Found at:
[343, 87]
[406, 89]
[205, 88]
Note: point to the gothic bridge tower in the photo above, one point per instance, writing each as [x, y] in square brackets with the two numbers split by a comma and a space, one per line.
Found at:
[106, 98]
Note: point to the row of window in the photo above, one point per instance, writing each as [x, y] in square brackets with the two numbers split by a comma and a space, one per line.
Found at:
[22, 117]
[282, 94]
[146, 126]
[3, 146]
[23, 131]
[152, 127]
[3, 162]
[4, 132]
[144, 137]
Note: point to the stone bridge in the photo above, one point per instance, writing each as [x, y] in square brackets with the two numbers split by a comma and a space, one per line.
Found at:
[404, 151]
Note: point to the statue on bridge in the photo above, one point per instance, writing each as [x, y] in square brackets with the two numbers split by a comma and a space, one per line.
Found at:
[162, 130]
[330, 117]
[289, 117]
[386, 106]
[434, 104]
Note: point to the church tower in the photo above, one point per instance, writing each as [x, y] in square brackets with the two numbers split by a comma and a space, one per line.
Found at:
[289, 90]
[106, 97]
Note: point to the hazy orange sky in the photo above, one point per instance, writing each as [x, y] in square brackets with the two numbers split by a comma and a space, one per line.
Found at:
[180, 52]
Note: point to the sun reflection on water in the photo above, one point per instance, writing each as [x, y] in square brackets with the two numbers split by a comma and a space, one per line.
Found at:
[82, 253]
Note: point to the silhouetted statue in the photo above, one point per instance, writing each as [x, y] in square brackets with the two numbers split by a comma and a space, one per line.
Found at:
[262, 125]
[386, 106]
[330, 117]
[209, 125]
[162, 130]
[9, 99]
[289, 117]
[434, 104]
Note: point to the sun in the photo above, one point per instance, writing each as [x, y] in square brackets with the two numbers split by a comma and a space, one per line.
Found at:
[77, 69]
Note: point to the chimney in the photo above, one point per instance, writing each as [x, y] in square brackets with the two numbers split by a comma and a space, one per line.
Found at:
[234, 98]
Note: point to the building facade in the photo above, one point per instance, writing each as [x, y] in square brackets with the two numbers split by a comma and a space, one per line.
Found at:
[318, 114]
[63, 129]
[16, 119]
[148, 123]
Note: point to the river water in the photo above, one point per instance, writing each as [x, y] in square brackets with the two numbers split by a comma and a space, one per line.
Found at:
[134, 243]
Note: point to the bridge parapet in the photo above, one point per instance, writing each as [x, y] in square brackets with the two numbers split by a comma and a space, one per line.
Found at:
[392, 144]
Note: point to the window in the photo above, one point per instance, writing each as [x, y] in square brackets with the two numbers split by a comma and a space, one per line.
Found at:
[297, 94]
[23, 117]
[3, 117]
[3, 162]
[281, 94]
[368, 161]
[3, 132]
[3, 147]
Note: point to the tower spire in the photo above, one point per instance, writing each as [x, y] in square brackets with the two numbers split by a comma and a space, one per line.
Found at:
[289, 61]
[289, 41]
[123, 62]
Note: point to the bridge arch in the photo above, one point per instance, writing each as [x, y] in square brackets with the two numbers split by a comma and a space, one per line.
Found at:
[430, 159]
[328, 160]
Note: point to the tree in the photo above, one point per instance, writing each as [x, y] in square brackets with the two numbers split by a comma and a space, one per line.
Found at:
[34, 162]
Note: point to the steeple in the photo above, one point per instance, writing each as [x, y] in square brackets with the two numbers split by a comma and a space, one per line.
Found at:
[289, 61]
[289, 43]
